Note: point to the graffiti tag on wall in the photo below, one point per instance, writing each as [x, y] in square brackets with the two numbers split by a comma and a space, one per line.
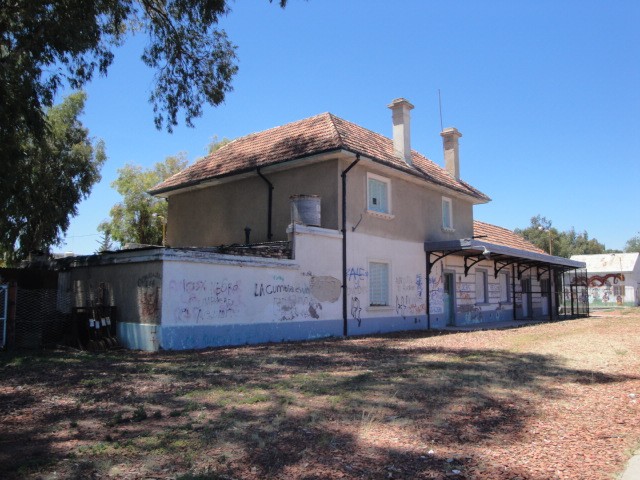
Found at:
[289, 301]
[148, 295]
[408, 301]
[204, 301]
[436, 294]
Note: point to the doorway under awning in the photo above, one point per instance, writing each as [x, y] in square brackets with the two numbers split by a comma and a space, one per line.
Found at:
[566, 294]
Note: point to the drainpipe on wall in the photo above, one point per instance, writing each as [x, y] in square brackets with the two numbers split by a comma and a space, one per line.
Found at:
[344, 244]
[513, 289]
[428, 292]
[270, 207]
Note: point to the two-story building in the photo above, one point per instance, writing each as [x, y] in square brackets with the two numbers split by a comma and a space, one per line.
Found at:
[344, 231]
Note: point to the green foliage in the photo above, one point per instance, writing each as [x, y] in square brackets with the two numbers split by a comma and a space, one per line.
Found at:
[633, 244]
[57, 171]
[105, 242]
[139, 217]
[217, 144]
[560, 244]
[48, 44]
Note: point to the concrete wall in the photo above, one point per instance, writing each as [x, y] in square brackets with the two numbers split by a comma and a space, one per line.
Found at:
[416, 208]
[235, 300]
[130, 282]
[468, 310]
[407, 293]
[218, 214]
[618, 289]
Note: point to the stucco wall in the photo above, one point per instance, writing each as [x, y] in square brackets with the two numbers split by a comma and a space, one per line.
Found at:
[231, 301]
[219, 214]
[407, 293]
[133, 287]
[416, 208]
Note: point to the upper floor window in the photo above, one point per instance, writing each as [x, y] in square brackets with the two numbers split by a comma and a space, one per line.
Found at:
[378, 194]
[447, 214]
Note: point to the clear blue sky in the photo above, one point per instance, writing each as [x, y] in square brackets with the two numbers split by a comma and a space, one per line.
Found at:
[546, 95]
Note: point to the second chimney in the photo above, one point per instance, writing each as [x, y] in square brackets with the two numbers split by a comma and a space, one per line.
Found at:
[450, 138]
[400, 109]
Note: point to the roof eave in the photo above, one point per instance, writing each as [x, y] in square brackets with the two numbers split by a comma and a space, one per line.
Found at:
[163, 192]
[473, 245]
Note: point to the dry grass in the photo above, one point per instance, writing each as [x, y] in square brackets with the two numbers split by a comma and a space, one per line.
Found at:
[557, 400]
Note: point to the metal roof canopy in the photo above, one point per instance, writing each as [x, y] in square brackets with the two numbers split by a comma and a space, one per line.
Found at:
[474, 251]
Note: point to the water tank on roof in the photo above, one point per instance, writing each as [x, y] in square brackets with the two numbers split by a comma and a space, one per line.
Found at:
[305, 209]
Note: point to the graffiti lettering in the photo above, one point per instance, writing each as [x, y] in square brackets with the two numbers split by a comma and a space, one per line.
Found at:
[419, 286]
[436, 294]
[357, 280]
[268, 289]
[355, 309]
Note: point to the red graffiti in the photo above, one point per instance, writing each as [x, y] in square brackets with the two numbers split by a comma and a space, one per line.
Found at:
[599, 280]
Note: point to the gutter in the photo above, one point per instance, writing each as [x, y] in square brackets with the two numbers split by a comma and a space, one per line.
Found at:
[344, 244]
[412, 172]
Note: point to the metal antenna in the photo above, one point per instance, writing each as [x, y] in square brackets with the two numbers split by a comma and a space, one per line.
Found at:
[440, 106]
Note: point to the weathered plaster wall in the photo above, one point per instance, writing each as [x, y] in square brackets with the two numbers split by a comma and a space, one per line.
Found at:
[135, 289]
[416, 208]
[608, 289]
[468, 310]
[230, 301]
[407, 294]
[219, 214]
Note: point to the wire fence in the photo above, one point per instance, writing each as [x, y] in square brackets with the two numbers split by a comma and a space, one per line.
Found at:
[41, 317]
[4, 314]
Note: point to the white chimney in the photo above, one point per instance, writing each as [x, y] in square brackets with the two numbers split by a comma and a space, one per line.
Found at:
[400, 109]
[450, 138]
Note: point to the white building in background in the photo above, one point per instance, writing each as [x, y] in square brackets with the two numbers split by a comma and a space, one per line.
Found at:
[614, 278]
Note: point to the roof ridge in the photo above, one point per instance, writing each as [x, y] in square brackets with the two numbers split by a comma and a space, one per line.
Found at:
[333, 118]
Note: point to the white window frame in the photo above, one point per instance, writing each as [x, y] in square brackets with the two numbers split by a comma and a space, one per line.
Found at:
[505, 287]
[484, 275]
[447, 204]
[383, 298]
[386, 213]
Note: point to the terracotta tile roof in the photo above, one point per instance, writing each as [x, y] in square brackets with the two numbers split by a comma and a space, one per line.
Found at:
[502, 236]
[314, 135]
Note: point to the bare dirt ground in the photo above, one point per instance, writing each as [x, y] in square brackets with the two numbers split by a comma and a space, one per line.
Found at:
[552, 401]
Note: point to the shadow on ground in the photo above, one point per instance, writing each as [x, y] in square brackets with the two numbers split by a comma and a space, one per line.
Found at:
[304, 410]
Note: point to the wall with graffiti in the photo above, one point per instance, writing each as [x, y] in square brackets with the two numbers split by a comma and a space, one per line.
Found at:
[232, 300]
[467, 308]
[610, 290]
[405, 285]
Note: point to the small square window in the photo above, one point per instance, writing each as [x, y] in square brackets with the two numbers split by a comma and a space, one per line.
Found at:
[378, 284]
[378, 194]
[447, 214]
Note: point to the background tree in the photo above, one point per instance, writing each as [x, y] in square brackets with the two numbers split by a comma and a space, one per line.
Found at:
[105, 244]
[57, 172]
[561, 244]
[633, 244]
[48, 44]
[138, 218]
[217, 144]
